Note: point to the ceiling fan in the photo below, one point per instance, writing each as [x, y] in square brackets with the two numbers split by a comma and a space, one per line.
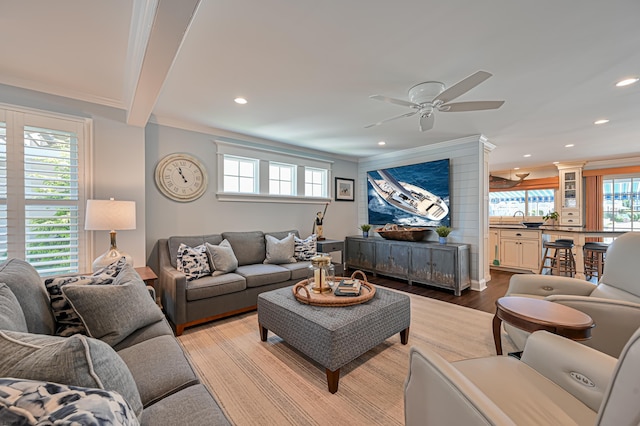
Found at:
[430, 96]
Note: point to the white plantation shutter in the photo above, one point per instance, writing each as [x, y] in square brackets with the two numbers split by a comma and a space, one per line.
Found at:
[45, 181]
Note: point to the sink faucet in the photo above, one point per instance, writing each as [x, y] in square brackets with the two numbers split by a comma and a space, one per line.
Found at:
[519, 211]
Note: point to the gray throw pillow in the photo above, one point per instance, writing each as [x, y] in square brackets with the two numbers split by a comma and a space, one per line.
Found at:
[111, 313]
[31, 401]
[222, 258]
[77, 361]
[11, 315]
[280, 251]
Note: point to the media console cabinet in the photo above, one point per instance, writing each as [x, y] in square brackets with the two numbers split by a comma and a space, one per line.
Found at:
[439, 265]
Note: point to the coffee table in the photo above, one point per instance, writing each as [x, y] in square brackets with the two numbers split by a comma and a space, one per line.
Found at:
[334, 336]
[530, 314]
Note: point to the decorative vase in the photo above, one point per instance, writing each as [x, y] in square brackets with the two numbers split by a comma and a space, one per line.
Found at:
[365, 234]
[442, 240]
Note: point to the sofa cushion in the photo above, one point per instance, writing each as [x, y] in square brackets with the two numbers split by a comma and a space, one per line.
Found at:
[299, 270]
[11, 315]
[24, 402]
[207, 287]
[279, 250]
[25, 283]
[159, 368]
[192, 241]
[305, 249]
[111, 313]
[260, 274]
[191, 406]
[281, 234]
[193, 261]
[77, 361]
[160, 328]
[222, 258]
[249, 247]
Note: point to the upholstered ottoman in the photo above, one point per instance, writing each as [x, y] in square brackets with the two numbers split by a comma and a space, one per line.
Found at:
[334, 336]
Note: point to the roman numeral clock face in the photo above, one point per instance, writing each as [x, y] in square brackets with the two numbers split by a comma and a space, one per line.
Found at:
[181, 177]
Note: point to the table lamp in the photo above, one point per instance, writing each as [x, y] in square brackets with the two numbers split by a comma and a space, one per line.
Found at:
[110, 215]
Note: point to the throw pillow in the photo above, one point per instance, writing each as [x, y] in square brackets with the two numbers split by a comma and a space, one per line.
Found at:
[305, 249]
[11, 315]
[193, 262]
[24, 402]
[76, 361]
[111, 313]
[280, 251]
[67, 320]
[222, 258]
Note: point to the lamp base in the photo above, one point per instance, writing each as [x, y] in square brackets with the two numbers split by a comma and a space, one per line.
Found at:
[112, 255]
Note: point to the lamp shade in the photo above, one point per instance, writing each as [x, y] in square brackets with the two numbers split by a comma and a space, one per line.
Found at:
[110, 215]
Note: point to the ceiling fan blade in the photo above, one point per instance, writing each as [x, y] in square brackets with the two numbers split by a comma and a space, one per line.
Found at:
[470, 106]
[409, 114]
[394, 101]
[426, 122]
[462, 87]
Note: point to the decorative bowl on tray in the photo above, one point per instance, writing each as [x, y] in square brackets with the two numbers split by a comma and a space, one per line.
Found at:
[395, 232]
[533, 224]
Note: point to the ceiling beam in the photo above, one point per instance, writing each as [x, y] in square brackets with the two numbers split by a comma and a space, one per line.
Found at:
[170, 25]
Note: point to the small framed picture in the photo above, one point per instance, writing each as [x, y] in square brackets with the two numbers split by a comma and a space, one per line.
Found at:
[344, 189]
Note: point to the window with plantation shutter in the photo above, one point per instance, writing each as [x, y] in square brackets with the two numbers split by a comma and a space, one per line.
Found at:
[43, 165]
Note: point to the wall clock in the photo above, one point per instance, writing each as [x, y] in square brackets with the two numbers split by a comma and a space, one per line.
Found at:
[181, 177]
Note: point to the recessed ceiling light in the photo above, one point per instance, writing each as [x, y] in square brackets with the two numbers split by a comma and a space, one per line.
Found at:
[603, 121]
[569, 145]
[240, 101]
[627, 81]
[527, 155]
[382, 143]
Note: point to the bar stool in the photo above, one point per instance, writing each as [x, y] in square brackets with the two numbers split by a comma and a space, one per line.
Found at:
[594, 255]
[561, 260]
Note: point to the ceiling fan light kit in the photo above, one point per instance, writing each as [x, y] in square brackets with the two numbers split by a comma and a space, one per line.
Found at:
[430, 96]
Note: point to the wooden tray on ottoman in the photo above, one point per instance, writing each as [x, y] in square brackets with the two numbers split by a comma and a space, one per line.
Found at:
[302, 292]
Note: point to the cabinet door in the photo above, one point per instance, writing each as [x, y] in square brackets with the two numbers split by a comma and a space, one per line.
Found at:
[360, 254]
[509, 252]
[443, 267]
[392, 259]
[494, 248]
[420, 264]
[530, 254]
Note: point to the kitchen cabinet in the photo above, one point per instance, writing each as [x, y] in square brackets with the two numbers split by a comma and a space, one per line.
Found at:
[520, 249]
[570, 195]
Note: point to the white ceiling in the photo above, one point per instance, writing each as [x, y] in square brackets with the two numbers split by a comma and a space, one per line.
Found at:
[307, 68]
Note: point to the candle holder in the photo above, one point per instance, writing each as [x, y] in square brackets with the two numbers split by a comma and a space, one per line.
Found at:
[321, 274]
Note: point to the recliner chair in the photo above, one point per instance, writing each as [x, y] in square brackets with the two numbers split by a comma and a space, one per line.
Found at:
[613, 304]
[556, 382]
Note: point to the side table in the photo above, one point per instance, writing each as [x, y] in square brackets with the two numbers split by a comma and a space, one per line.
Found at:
[149, 277]
[531, 314]
[328, 246]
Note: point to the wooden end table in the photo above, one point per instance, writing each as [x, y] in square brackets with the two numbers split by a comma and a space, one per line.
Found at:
[531, 315]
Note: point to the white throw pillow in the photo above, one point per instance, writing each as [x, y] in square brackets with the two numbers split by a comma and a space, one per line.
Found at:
[193, 262]
[280, 251]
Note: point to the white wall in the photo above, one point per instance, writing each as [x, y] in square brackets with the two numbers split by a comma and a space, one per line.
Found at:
[468, 175]
[207, 215]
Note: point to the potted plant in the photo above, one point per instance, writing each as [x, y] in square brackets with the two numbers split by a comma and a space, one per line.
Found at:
[365, 230]
[551, 218]
[443, 232]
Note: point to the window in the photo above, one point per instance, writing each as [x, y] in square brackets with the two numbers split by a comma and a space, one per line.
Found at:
[240, 174]
[282, 179]
[531, 202]
[621, 203]
[42, 194]
[315, 182]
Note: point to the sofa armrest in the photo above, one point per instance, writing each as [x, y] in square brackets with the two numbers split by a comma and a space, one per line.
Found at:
[435, 392]
[546, 285]
[580, 370]
[173, 286]
[615, 320]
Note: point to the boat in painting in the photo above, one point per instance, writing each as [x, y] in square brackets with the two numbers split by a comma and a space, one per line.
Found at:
[410, 198]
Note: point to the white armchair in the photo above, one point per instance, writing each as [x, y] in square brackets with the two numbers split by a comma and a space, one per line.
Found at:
[557, 382]
[613, 304]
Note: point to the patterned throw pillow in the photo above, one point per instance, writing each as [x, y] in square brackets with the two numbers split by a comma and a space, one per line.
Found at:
[305, 249]
[222, 258]
[280, 251]
[193, 262]
[67, 320]
[27, 402]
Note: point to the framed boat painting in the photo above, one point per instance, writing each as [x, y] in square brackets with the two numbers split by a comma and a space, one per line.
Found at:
[344, 189]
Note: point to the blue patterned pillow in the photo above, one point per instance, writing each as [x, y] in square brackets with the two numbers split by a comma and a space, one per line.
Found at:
[305, 249]
[30, 402]
[67, 320]
[193, 262]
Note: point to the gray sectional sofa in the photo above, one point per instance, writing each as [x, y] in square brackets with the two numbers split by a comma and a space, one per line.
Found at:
[187, 303]
[136, 357]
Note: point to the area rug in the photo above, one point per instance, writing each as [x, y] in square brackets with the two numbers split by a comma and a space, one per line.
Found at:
[270, 383]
